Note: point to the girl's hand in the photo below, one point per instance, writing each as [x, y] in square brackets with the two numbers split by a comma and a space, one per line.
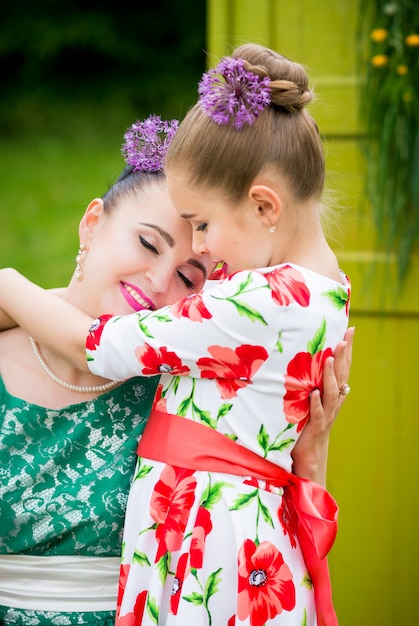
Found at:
[311, 451]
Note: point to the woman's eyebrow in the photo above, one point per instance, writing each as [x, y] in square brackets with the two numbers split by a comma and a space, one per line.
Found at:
[168, 238]
[198, 265]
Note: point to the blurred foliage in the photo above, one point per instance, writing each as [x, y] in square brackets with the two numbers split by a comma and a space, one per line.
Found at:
[388, 44]
[60, 59]
[75, 74]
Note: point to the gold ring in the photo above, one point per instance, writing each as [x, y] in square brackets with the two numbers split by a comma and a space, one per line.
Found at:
[344, 390]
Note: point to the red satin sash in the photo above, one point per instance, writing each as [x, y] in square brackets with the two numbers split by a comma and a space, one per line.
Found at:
[178, 441]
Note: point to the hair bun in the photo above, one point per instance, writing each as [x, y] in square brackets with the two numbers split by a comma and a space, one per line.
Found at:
[289, 80]
[288, 95]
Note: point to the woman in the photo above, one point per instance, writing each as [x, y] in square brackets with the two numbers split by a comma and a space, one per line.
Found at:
[68, 440]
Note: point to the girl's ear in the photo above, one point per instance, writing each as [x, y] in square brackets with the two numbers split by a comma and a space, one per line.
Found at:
[90, 219]
[267, 203]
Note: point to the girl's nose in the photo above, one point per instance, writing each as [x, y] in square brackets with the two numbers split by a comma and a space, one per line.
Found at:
[198, 243]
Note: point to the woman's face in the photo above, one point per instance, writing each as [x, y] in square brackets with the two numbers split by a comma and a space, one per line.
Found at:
[138, 257]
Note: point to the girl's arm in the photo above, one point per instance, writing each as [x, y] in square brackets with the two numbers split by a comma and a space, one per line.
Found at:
[52, 321]
[6, 321]
[311, 451]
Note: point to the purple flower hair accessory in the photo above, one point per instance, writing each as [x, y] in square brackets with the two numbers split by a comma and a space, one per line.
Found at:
[146, 143]
[229, 91]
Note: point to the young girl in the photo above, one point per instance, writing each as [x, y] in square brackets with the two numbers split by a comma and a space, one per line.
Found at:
[218, 529]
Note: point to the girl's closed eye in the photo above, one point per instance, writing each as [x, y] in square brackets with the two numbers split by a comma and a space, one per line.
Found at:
[146, 244]
[202, 227]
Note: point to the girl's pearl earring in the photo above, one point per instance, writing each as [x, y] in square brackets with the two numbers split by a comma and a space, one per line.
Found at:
[79, 272]
[272, 228]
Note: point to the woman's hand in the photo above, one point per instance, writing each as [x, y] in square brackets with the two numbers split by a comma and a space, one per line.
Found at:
[311, 451]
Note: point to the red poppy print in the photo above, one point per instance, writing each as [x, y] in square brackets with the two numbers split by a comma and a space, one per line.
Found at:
[304, 375]
[160, 361]
[202, 528]
[265, 583]
[134, 618]
[349, 297]
[220, 272]
[182, 571]
[171, 501]
[159, 403]
[95, 332]
[123, 575]
[233, 369]
[192, 307]
[232, 621]
[288, 285]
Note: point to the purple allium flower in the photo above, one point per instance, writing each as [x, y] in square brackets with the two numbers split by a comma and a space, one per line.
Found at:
[146, 143]
[239, 95]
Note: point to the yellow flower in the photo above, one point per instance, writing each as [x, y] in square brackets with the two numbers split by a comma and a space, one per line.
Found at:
[407, 97]
[379, 35]
[379, 60]
[412, 40]
[402, 69]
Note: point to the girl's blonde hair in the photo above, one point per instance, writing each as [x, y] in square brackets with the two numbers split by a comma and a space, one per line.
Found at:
[284, 136]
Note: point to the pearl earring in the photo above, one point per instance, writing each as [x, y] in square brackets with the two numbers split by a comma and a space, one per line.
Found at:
[79, 272]
[272, 228]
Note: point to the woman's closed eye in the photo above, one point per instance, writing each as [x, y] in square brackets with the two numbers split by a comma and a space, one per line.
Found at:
[149, 246]
[188, 283]
[201, 227]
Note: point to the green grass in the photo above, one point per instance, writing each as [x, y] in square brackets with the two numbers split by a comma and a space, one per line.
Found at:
[47, 180]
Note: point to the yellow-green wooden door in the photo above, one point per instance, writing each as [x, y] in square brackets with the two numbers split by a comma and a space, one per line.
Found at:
[374, 455]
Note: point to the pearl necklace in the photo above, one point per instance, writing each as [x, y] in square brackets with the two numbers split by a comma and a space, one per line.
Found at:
[96, 389]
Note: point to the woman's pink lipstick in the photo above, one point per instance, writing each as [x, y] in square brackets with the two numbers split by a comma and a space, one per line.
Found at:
[136, 299]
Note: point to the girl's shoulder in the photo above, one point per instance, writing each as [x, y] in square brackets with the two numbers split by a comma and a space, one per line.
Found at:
[285, 272]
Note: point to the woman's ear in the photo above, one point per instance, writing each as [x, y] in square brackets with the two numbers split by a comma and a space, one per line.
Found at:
[90, 219]
[267, 204]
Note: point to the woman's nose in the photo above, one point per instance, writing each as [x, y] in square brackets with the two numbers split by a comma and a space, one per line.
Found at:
[159, 278]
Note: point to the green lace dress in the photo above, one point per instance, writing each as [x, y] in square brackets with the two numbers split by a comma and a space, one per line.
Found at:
[64, 482]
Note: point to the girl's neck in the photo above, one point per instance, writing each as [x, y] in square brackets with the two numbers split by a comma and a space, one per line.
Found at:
[301, 240]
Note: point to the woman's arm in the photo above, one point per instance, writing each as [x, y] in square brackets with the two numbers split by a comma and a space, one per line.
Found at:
[52, 321]
[311, 451]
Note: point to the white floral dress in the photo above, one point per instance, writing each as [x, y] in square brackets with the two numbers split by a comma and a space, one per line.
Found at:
[240, 357]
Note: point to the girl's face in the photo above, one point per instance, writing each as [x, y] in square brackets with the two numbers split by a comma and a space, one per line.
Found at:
[139, 256]
[232, 233]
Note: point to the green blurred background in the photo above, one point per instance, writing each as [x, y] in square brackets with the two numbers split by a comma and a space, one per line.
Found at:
[74, 75]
